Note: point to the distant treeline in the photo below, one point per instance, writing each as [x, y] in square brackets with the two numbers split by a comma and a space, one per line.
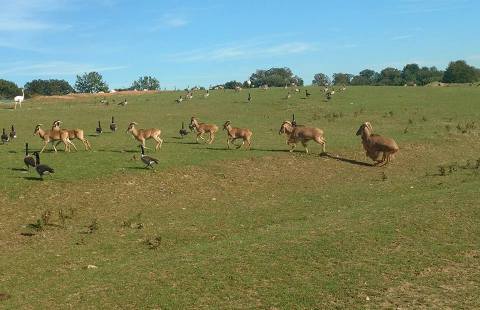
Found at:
[91, 82]
[412, 74]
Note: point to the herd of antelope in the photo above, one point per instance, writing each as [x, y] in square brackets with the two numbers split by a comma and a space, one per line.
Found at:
[378, 148]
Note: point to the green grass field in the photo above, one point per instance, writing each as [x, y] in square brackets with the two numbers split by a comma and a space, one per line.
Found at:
[217, 228]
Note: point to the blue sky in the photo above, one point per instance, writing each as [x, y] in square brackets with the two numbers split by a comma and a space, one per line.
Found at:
[208, 42]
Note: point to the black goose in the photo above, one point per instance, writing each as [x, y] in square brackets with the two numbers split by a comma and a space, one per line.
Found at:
[113, 126]
[42, 169]
[307, 94]
[99, 128]
[5, 137]
[183, 131]
[249, 97]
[147, 160]
[13, 133]
[29, 160]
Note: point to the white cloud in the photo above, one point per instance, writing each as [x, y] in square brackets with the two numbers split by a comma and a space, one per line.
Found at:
[29, 15]
[243, 51]
[429, 6]
[175, 22]
[401, 37]
[168, 21]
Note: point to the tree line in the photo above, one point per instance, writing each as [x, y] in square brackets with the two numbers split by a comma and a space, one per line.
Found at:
[91, 82]
[412, 74]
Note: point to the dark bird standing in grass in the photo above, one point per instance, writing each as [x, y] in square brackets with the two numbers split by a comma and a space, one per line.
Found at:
[42, 169]
[113, 126]
[147, 160]
[5, 137]
[29, 160]
[13, 133]
[307, 94]
[249, 98]
[183, 131]
[99, 128]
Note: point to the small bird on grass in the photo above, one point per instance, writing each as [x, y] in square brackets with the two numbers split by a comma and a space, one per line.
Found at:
[5, 137]
[42, 169]
[307, 94]
[113, 126]
[99, 130]
[183, 132]
[249, 98]
[29, 160]
[13, 133]
[147, 160]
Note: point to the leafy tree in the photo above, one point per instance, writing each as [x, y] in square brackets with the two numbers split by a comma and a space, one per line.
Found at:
[8, 89]
[275, 77]
[410, 73]
[321, 79]
[48, 87]
[391, 76]
[459, 72]
[91, 82]
[342, 78]
[232, 85]
[428, 75]
[365, 77]
[146, 82]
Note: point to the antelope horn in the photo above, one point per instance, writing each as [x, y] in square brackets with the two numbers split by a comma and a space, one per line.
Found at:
[368, 125]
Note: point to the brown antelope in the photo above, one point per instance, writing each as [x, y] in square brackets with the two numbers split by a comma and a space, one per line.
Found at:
[204, 128]
[74, 134]
[302, 134]
[234, 133]
[52, 136]
[145, 134]
[380, 149]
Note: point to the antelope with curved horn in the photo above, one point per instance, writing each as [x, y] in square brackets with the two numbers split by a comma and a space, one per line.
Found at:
[204, 128]
[142, 135]
[52, 136]
[74, 134]
[302, 134]
[380, 149]
[234, 133]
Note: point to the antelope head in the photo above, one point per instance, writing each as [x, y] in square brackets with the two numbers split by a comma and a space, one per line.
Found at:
[365, 127]
[286, 126]
[225, 126]
[37, 129]
[131, 126]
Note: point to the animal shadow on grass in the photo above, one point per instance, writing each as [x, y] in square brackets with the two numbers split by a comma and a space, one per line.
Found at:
[347, 160]
[19, 169]
[139, 168]
[123, 151]
[180, 141]
[33, 178]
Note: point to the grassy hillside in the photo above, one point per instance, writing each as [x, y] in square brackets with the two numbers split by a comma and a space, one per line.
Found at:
[217, 228]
